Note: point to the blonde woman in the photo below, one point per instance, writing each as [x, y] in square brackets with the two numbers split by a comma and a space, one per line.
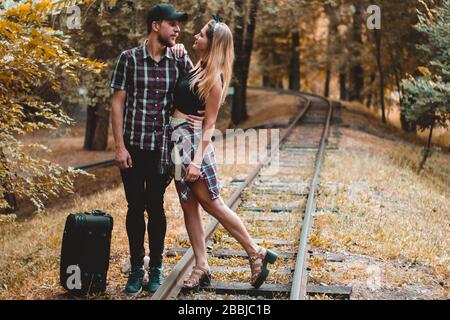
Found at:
[205, 88]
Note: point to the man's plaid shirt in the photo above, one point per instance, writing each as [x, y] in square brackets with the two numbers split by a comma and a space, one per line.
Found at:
[149, 87]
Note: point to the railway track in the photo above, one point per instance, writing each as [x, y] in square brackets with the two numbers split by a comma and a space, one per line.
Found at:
[278, 211]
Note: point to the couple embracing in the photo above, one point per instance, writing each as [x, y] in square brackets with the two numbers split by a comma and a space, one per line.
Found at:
[161, 104]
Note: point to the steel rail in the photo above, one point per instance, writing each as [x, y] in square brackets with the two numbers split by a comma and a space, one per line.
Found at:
[299, 282]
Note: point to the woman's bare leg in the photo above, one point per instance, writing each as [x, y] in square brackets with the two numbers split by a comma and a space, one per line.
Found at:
[194, 227]
[227, 217]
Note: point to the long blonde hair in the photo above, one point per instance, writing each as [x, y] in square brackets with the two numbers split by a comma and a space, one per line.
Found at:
[217, 61]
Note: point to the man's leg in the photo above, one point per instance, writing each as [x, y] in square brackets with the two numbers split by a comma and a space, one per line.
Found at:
[155, 189]
[133, 181]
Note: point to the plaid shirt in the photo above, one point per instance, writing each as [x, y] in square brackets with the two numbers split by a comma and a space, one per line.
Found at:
[149, 89]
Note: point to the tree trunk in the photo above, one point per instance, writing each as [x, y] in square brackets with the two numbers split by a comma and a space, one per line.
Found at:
[427, 150]
[266, 80]
[328, 65]
[327, 80]
[89, 132]
[369, 100]
[380, 73]
[356, 83]
[97, 124]
[238, 111]
[375, 100]
[279, 84]
[243, 50]
[294, 74]
[342, 84]
[356, 69]
[249, 36]
[370, 94]
[100, 141]
[8, 195]
[333, 33]
[406, 125]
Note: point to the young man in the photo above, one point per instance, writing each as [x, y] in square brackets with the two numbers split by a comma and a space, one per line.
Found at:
[143, 83]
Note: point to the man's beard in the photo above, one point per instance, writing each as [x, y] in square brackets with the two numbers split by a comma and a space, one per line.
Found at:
[165, 41]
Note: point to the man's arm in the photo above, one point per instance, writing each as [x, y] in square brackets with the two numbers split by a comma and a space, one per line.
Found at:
[123, 158]
[119, 83]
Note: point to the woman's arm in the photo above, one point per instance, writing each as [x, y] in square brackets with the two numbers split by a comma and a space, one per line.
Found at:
[180, 52]
[209, 123]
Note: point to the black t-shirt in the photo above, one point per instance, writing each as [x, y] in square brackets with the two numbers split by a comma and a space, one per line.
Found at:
[185, 100]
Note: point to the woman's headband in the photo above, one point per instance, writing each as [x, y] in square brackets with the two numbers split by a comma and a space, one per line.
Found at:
[218, 20]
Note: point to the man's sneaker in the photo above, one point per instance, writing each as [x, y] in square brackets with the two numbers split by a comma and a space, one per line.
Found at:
[134, 283]
[156, 278]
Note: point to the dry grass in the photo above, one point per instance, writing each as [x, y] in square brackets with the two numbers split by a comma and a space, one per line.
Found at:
[386, 211]
[386, 201]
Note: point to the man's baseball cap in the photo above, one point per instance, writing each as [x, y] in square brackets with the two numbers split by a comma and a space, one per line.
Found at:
[165, 11]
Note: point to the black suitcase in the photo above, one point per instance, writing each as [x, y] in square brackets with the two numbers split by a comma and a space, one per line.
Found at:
[85, 252]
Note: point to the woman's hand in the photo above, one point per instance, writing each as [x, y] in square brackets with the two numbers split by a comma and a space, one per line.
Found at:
[196, 121]
[193, 173]
[179, 50]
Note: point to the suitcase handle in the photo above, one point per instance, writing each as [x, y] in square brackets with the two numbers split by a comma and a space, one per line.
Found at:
[96, 212]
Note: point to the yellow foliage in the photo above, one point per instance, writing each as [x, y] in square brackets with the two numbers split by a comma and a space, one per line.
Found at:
[424, 70]
[32, 55]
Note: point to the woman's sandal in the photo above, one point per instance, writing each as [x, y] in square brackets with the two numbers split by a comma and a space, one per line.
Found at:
[258, 265]
[199, 277]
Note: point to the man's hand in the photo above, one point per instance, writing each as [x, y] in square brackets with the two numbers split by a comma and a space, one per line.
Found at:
[123, 158]
[196, 121]
[179, 50]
